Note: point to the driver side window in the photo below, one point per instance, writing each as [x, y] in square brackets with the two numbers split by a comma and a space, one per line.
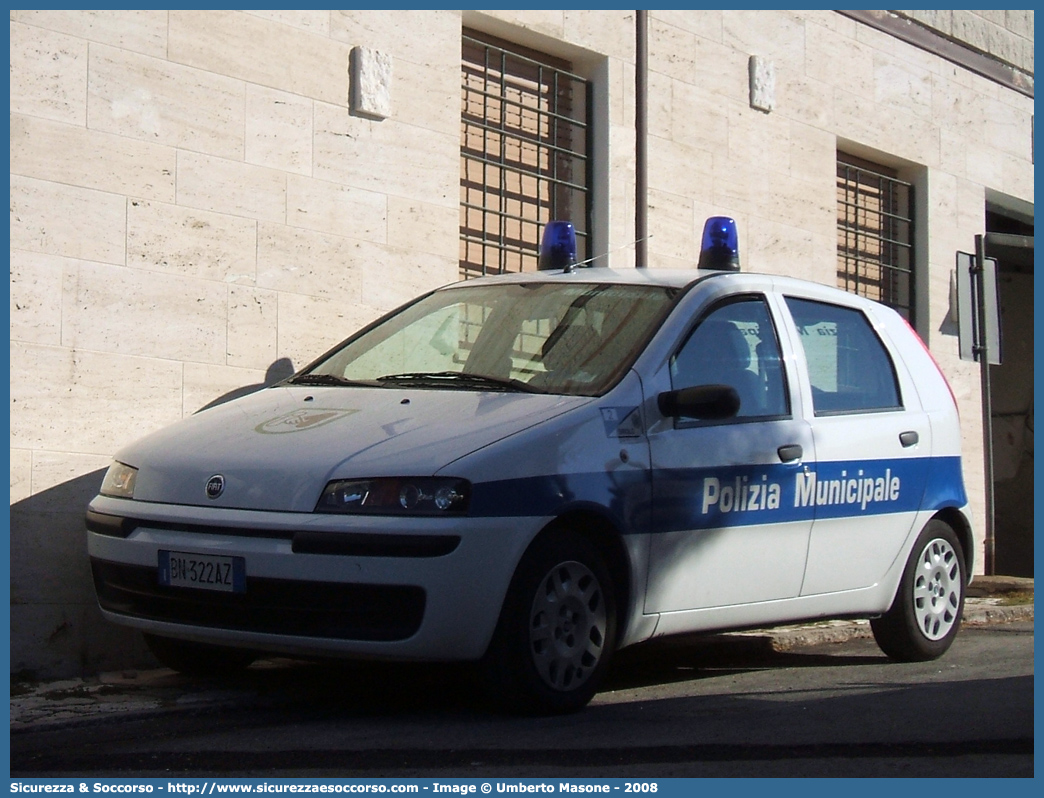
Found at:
[735, 344]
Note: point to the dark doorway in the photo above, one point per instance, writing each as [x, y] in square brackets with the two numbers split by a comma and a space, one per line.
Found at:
[1011, 393]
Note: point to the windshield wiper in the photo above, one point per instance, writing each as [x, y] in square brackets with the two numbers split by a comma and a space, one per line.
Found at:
[323, 379]
[457, 379]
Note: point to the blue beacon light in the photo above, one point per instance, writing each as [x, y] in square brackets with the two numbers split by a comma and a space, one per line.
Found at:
[558, 247]
[720, 247]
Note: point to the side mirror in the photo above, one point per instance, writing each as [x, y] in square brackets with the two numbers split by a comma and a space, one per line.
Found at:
[707, 402]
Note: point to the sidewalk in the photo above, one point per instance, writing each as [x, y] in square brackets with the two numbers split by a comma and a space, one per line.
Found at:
[990, 600]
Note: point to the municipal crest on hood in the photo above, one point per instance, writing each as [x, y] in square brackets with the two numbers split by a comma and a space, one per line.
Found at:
[300, 420]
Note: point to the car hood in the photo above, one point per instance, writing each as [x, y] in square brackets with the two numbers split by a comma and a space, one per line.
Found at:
[277, 448]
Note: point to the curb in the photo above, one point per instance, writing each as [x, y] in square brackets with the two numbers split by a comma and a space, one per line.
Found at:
[977, 612]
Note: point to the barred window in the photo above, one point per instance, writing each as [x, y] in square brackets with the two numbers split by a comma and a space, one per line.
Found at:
[523, 155]
[875, 234]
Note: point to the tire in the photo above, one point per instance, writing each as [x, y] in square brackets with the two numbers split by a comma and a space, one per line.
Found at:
[198, 659]
[926, 612]
[557, 628]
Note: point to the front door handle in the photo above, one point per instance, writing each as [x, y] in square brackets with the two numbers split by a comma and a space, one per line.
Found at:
[908, 439]
[790, 452]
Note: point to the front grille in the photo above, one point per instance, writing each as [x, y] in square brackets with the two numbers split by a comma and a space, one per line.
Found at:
[272, 606]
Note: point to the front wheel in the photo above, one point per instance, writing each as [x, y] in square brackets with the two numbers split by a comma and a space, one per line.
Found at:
[927, 609]
[557, 628]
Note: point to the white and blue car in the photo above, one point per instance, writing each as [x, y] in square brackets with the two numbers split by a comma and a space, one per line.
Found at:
[533, 470]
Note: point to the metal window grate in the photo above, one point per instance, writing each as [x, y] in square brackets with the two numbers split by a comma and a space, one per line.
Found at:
[523, 155]
[875, 235]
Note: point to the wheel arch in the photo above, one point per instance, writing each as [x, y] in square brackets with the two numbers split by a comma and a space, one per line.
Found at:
[603, 533]
[957, 521]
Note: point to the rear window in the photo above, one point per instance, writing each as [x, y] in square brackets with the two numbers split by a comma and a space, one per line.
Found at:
[848, 366]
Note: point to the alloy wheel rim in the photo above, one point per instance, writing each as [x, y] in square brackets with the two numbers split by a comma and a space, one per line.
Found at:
[567, 626]
[937, 589]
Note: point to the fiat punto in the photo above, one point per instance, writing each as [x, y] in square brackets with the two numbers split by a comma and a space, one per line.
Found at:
[531, 471]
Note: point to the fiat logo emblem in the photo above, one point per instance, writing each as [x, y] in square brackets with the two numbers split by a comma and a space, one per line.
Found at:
[215, 486]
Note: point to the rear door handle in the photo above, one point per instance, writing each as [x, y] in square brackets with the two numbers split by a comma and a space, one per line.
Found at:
[790, 452]
[908, 439]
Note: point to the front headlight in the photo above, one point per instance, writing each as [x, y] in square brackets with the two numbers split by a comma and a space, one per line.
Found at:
[396, 496]
[119, 481]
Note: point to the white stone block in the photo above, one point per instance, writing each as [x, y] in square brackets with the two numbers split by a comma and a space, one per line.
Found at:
[191, 243]
[233, 187]
[252, 327]
[417, 226]
[297, 261]
[428, 43]
[278, 130]
[163, 102]
[73, 154]
[36, 297]
[66, 220]
[262, 51]
[88, 402]
[387, 157]
[143, 31]
[21, 464]
[371, 82]
[762, 84]
[334, 208]
[133, 312]
[48, 74]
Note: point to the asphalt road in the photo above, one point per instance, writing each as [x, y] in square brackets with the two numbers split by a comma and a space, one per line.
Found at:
[686, 709]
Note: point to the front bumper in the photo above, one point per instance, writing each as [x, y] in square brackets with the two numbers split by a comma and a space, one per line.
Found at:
[316, 585]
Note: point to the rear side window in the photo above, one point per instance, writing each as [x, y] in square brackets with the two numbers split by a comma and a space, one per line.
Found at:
[848, 366]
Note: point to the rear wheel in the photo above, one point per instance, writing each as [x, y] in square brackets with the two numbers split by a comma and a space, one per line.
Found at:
[557, 629]
[198, 659]
[927, 609]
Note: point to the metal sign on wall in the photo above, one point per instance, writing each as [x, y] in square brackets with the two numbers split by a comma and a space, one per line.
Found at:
[978, 309]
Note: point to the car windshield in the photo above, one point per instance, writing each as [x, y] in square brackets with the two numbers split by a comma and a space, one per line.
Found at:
[559, 338]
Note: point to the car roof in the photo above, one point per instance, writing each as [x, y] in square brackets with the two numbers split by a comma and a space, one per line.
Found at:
[674, 278]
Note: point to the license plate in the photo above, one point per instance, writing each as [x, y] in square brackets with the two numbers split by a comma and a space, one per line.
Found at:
[202, 571]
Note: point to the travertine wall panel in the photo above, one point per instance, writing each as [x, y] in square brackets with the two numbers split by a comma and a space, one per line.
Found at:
[252, 327]
[21, 465]
[191, 242]
[159, 101]
[608, 33]
[48, 74]
[130, 312]
[776, 35]
[383, 30]
[73, 154]
[427, 96]
[261, 51]
[36, 297]
[421, 226]
[66, 220]
[69, 387]
[313, 21]
[297, 261]
[231, 186]
[142, 31]
[398, 159]
[278, 130]
[335, 208]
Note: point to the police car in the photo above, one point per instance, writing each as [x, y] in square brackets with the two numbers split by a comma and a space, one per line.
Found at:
[532, 471]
